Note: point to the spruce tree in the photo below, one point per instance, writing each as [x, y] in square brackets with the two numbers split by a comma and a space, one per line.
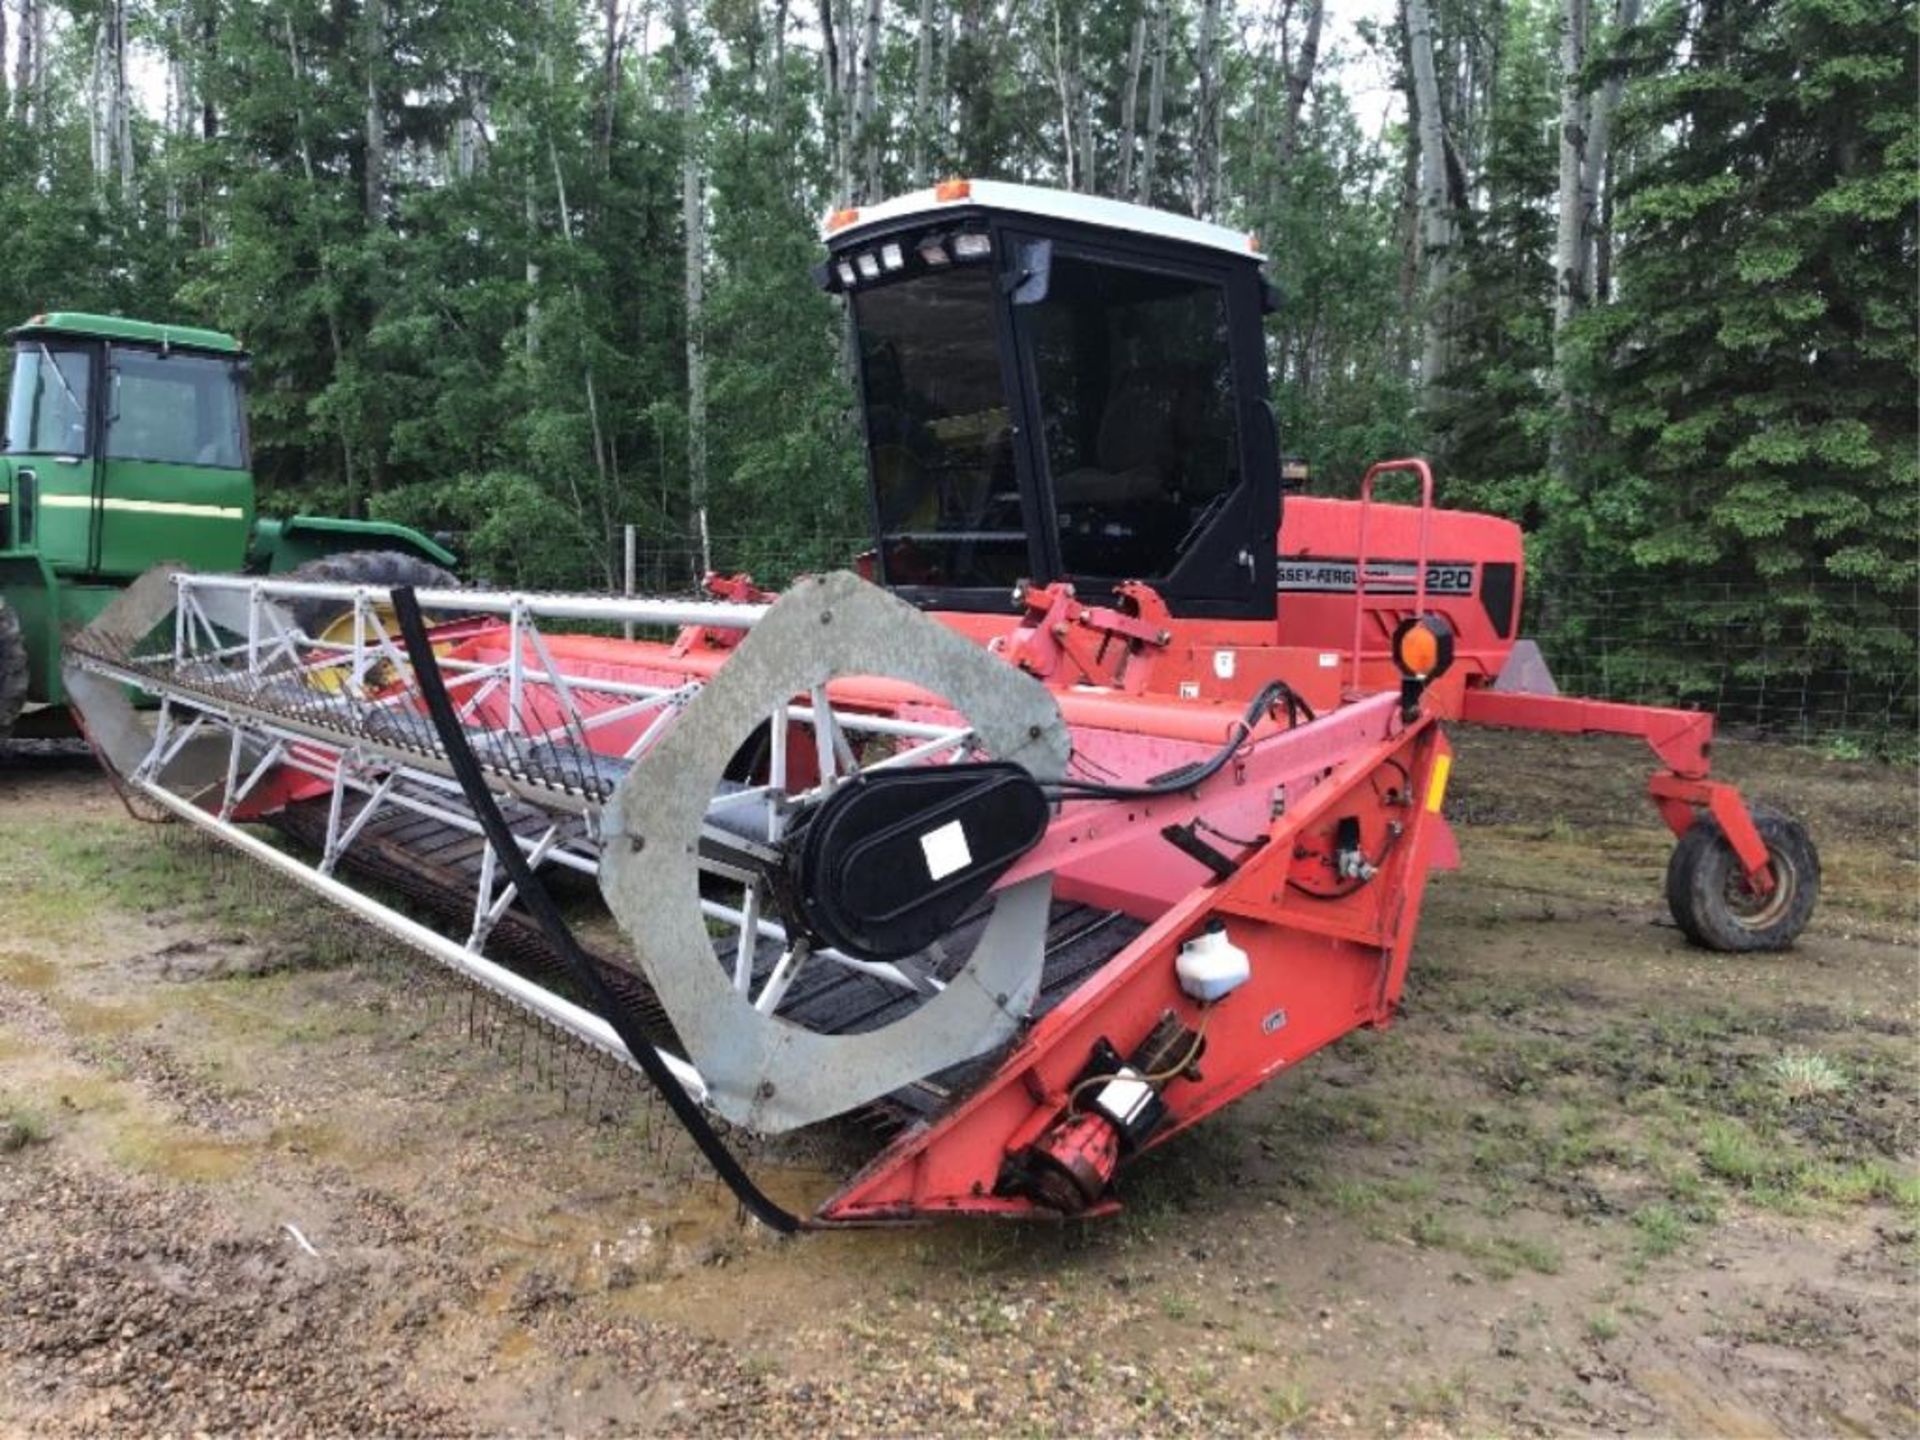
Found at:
[1749, 397]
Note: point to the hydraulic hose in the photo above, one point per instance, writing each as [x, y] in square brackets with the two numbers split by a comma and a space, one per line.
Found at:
[539, 904]
[1188, 776]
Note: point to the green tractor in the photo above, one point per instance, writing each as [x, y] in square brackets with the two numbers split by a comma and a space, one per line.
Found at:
[126, 446]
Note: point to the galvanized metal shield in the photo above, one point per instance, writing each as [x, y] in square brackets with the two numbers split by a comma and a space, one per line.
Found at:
[762, 1071]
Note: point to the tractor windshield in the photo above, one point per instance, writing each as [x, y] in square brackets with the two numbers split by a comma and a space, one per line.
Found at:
[47, 399]
[939, 433]
[175, 409]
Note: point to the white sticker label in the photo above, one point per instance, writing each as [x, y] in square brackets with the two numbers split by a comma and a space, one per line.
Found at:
[1223, 664]
[1329, 660]
[1189, 689]
[946, 850]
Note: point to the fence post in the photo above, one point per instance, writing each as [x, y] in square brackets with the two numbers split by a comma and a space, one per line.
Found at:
[626, 584]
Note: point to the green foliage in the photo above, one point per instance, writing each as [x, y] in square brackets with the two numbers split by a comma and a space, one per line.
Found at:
[1493, 414]
[1749, 395]
[1342, 393]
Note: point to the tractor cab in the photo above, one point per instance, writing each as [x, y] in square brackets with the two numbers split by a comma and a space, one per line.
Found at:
[1058, 387]
[125, 447]
[127, 444]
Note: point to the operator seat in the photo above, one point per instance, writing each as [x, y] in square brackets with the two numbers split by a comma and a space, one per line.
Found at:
[1143, 447]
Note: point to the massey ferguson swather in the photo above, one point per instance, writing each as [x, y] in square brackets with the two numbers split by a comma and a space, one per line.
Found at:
[1082, 810]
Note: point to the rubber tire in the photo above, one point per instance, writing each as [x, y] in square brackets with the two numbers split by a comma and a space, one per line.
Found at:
[382, 568]
[14, 671]
[1703, 867]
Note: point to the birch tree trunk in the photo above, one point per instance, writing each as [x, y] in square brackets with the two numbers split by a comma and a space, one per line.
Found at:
[945, 88]
[469, 134]
[1569, 265]
[109, 117]
[531, 203]
[835, 118]
[1156, 102]
[604, 459]
[922, 94]
[23, 60]
[1130, 105]
[1603, 233]
[96, 102]
[177, 122]
[1595, 165]
[866, 130]
[693, 219]
[204, 63]
[36, 86]
[122, 103]
[334, 341]
[375, 39]
[1206, 120]
[1089, 149]
[1063, 87]
[613, 44]
[781, 21]
[1299, 79]
[1436, 213]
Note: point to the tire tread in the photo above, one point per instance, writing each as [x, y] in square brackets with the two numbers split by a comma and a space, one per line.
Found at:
[1697, 874]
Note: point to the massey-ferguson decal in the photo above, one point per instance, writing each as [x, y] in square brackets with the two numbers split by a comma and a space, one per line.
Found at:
[1384, 577]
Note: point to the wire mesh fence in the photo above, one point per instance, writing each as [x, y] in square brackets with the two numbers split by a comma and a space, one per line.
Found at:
[1823, 663]
[1832, 664]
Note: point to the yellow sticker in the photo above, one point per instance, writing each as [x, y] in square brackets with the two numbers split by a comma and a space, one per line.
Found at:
[1437, 783]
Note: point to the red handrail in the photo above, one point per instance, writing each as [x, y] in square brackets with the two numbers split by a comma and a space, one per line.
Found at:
[1425, 472]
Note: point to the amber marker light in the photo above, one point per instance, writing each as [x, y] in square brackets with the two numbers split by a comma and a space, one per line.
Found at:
[1423, 647]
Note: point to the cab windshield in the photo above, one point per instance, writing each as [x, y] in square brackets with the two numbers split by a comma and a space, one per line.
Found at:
[48, 399]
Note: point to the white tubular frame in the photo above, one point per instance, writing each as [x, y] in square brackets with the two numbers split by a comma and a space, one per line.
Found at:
[582, 1024]
[330, 710]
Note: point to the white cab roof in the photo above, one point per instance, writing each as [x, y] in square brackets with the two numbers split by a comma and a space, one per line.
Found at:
[1051, 205]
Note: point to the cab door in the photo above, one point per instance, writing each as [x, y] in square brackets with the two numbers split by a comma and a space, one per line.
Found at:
[176, 485]
[1144, 376]
[51, 435]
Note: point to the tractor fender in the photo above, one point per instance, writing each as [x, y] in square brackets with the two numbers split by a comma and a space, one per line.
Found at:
[283, 545]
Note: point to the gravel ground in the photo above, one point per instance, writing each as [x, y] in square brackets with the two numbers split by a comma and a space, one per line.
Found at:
[256, 1177]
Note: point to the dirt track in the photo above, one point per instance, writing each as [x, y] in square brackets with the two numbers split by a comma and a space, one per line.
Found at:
[254, 1177]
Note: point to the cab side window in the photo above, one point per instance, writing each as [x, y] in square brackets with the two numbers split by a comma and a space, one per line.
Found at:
[48, 400]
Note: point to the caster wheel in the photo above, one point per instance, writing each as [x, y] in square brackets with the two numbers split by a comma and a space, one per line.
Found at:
[1711, 902]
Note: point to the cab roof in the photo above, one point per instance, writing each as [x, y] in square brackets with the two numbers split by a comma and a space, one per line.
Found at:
[1044, 203]
[114, 327]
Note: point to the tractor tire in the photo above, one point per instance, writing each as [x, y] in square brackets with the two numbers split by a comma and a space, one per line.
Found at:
[13, 668]
[1708, 895]
[382, 568]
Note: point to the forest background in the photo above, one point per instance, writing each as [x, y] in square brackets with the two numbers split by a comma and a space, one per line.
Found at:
[1639, 273]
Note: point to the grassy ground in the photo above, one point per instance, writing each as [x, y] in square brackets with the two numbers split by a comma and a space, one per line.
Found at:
[254, 1174]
